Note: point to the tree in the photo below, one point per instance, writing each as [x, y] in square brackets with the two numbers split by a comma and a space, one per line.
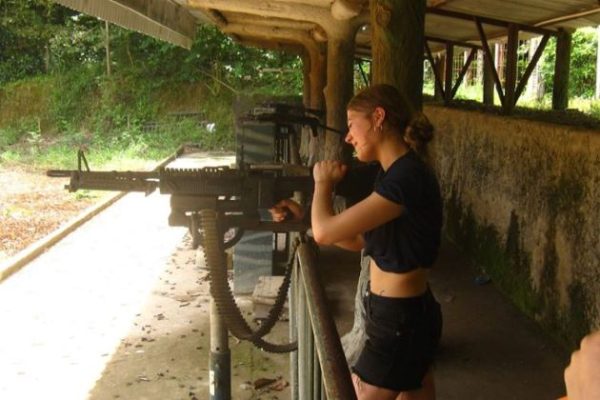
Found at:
[26, 27]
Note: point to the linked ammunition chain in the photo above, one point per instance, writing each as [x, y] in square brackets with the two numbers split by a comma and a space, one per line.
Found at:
[224, 299]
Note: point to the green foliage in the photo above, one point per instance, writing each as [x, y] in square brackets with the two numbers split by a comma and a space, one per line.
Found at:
[582, 75]
[77, 105]
[26, 27]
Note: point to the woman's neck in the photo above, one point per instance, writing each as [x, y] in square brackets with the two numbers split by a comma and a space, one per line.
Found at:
[390, 150]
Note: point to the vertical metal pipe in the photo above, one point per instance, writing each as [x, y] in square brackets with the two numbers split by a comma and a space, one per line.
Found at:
[220, 357]
[316, 375]
[310, 352]
[335, 373]
[302, 349]
[294, 332]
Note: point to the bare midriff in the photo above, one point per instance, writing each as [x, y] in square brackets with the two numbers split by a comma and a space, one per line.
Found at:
[393, 284]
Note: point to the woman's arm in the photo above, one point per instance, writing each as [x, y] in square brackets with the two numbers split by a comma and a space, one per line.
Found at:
[354, 244]
[329, 228]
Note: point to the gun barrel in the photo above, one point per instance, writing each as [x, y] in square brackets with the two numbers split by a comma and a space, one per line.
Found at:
[59, 173]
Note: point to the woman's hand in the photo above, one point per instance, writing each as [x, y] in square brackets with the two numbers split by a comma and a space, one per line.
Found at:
[329, 171]
[582, 375]
[287, 209]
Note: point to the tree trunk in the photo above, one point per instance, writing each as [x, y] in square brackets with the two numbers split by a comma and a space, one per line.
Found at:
[598, 62]
[339, 89]
[398, 41]
[560, 93]
[488, 79]
[107, 45]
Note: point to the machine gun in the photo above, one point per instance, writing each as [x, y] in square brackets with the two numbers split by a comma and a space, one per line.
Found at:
[240, 196]
[286, 114]
[211, 202]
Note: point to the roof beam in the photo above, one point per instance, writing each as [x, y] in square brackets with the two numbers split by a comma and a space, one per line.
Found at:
[161, 19]
[273, 33]
[344, 9]
[569, 17]
[487, 20]
[276, 9]
[453, 42]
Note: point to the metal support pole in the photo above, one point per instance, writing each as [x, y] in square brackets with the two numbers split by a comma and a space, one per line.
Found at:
[293, 323]
[220, 357]
[317, 384]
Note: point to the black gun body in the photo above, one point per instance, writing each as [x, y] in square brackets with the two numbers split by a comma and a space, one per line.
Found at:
[238, 194]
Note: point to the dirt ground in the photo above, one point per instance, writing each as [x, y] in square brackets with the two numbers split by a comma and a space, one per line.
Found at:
[33, 205]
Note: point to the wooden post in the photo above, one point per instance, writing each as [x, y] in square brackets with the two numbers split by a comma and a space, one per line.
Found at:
[448, 72]
[398, 39]
[511, 68]
[440, 64]
[318, 78]
[488, 81]
[339, 89]
[560, 94]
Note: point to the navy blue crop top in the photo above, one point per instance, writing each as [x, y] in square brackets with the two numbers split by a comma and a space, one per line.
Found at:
[413, 239]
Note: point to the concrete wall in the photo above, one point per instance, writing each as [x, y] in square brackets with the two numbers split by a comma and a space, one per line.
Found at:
[523, 199]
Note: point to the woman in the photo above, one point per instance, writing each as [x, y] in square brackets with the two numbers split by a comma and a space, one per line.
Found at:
[398, 225]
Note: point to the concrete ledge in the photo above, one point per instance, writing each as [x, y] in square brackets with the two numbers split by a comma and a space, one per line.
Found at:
[25, 256]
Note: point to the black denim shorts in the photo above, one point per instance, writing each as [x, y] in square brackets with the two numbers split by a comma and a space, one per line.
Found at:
[402, 338]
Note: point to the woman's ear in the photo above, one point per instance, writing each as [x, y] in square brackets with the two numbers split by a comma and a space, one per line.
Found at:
[378, 116]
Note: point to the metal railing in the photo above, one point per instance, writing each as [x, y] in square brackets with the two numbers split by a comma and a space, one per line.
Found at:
[318, 369]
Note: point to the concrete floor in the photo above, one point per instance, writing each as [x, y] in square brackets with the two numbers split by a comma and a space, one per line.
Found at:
[119, 310]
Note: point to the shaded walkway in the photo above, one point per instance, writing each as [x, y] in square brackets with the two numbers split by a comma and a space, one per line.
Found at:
[489, 349]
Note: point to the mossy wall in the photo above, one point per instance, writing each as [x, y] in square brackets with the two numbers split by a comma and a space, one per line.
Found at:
[522, 198]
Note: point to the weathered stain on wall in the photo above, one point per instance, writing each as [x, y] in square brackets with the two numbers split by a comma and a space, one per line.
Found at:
[523, 199]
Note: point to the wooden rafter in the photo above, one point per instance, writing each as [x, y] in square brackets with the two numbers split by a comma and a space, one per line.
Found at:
[532, 63]
[463, 72]
[488, 54]
[436, 75]
[454, 42]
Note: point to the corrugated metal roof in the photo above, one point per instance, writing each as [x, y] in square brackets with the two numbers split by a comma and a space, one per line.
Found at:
[175, 20]
[161, 19]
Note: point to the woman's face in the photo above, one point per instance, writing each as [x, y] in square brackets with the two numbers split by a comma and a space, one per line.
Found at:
[361, 135]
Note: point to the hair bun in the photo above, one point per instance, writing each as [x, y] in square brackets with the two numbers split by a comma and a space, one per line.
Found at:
[420, 129]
